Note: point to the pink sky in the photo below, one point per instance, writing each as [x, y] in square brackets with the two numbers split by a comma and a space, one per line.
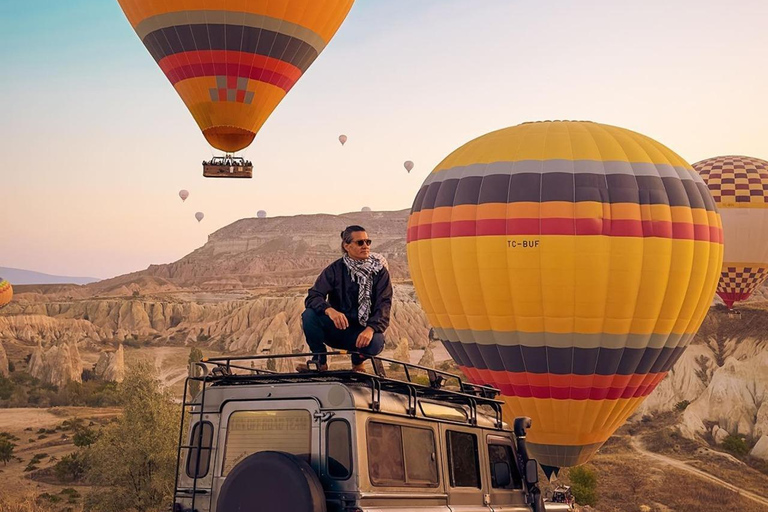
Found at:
[97, 144]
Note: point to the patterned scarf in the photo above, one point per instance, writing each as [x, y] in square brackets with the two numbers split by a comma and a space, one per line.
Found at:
[362, 272]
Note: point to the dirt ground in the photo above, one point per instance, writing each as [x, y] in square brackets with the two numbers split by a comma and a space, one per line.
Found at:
[24, 423]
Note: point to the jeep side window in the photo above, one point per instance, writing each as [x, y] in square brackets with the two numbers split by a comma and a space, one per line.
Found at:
[463, 459]
[339, 449]
[204, 446]
[401, 456]
[503, 453]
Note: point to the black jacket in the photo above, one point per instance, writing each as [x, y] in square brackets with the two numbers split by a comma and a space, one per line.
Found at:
[335, 288]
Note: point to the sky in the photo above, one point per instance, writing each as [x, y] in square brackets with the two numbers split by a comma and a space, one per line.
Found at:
[96, 143]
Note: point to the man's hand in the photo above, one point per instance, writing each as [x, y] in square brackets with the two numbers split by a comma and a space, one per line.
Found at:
[365, 337]
[338, 318]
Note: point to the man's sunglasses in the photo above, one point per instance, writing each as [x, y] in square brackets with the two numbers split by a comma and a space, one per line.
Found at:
[360, 243]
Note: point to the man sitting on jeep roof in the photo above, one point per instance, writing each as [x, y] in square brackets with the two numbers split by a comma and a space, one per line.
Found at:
[349, 305]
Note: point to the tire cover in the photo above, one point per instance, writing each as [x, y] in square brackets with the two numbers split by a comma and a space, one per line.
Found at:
[271, 482]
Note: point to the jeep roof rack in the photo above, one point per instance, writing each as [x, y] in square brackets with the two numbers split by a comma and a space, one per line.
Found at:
[471, 395]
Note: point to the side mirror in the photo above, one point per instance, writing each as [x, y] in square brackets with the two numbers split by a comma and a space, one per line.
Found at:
[532, 472]
[501, 474]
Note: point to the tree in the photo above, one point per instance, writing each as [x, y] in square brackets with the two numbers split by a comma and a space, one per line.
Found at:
[84, 437]
[736, 445]
[6, 451]
[195, 355]
[134, 459]
[583, 485]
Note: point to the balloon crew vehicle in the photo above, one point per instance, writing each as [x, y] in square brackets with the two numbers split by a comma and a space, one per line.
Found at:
[228, 167]
[407, 438]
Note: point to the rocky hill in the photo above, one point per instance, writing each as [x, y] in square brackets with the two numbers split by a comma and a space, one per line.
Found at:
[242, 292]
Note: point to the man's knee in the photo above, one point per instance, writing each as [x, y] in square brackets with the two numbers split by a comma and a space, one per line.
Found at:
[310, 318]
[377, 344]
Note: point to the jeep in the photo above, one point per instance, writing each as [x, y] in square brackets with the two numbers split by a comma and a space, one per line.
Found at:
[256, 439]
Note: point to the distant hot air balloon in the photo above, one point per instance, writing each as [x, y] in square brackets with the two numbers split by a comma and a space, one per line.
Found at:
[739, 185]
[261, 214]
[569, 264]
[343, 139]
[6, 293]
[366, 209]
[199, 216]
[233, 62]
[408, 165]
[183, 194]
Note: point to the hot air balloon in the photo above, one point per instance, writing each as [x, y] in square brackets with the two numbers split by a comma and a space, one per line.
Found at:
[183, 194]
[343, 139]
[6, 293]
[232, 63]
[261, 214]
[739, 185]
[365, 209]
[199, 216]
[408, 165]
[569, 264]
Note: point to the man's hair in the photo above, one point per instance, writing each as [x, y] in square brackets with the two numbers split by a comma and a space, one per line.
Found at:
[346, 235]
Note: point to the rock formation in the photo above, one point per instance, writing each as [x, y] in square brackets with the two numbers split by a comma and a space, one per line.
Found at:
[111, 366]
[760, 450]
[428, 358]
[402, 352]
[736, 399]
[58, 365]
[4, 371]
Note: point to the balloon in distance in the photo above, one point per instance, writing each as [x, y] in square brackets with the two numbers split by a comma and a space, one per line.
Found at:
[6, 293]
[739, 186]
[408, 165]
[365, 209]
[343, 139]
[232, 63]
[568, 264]
[261, 214]
[183, 194]
[199, 216]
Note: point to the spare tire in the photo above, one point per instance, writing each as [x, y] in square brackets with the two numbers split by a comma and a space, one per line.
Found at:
[271, 482]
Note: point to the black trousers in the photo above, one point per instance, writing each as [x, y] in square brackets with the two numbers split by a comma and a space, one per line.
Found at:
[320, 331]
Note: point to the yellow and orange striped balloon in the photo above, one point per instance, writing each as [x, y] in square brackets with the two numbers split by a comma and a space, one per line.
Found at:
[233, 61]
[739, 185]
[569, 264]
[6, 292]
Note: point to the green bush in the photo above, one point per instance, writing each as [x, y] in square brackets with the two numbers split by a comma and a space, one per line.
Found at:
[736, 445]
[6, 451]
[682, 405]
[584, 485]
[71, 468]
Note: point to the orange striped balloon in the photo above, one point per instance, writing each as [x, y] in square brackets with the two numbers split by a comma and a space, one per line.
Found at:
[232, 62]
[569, 264]
[739, 185]
[6, 292]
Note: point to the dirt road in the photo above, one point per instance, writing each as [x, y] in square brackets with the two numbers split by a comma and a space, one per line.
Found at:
[682, 466]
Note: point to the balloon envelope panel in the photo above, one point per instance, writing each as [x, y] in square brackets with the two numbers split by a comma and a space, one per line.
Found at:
[6, 292]
[232, 62]
[568, 264]
[739, 185]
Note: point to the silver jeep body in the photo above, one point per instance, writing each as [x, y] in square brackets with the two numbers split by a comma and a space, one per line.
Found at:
[375, 443]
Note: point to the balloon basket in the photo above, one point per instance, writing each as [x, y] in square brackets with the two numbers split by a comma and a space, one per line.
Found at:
[227, 167]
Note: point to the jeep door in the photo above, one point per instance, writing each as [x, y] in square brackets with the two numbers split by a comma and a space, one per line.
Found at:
[247, 427]
[505, 496]
[464, 464]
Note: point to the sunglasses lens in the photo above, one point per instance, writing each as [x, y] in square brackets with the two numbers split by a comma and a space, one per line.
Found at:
[360, 243]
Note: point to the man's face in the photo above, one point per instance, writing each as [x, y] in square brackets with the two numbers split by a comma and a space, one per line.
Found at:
[358, 249]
